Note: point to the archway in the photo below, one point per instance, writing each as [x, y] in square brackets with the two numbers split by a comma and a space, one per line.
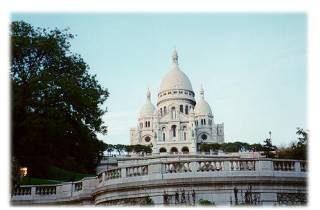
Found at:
[174, 150]
[185, 150]
[162, 149]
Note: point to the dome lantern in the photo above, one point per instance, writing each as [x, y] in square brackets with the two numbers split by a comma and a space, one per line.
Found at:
[202, 107]
[175, 57]
[148, 108]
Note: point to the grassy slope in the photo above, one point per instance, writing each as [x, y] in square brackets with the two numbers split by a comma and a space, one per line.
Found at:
[58, 175]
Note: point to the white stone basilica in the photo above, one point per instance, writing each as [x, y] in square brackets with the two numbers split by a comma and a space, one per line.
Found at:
[179, 123]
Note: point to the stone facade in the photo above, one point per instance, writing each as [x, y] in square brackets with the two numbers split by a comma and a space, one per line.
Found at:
[179, 123]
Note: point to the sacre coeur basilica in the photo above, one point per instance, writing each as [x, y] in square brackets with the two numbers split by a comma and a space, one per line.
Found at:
[177, 173]
[178, 123]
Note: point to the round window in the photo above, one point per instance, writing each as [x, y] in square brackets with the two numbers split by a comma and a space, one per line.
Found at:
[147, 139]
[204, 136]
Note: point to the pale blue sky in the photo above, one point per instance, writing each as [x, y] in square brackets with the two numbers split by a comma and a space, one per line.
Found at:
[252, 66]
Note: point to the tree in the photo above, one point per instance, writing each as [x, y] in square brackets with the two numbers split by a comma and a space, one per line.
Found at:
[297, 149]
[119, 148]
[205, 147]
[110, 149]
[128, 149]
[268, 148]
[147, 149]
[56, 104]
[230, 147]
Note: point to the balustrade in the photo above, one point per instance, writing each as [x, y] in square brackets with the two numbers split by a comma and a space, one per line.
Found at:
[78, 186]
[137, 171]
[22, 191]
[177, 167]
[100, 177]
[303, 166]
[113, 174]
[46, 190]
[243, 165]
[283, 165]
[210, 166]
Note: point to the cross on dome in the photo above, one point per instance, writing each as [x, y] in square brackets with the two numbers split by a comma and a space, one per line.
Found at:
[148, 95]
[202, 92]
[175, 57]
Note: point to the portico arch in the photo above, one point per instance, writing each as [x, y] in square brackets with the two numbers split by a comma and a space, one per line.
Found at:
[185, 150]
[173, 150]
[162, 149]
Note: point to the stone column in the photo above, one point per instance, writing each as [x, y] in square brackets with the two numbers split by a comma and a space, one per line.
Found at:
[194, 166]
[226, 165]
[123, 172]
[297, 167]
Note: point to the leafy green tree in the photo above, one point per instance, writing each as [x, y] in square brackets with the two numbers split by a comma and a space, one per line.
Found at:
[297, 149]
[268, 148]
[230, 147]
[147, 149]
[119, 148]
[205, 147]
[57, 106]
[128, 149]
[109, 149]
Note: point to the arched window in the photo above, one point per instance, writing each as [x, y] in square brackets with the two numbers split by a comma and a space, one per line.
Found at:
[160, 111]
[185, 150]
[174, 128]
[187, 109]
[163, 134]
[146, 124]
[204, 121]
[173, 113]
[162, 149]
[174, 150]
[184, 133]
[164, 110]
[181, 108]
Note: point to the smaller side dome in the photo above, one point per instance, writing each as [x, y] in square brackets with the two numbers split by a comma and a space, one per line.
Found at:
[202, 107]
[148, 108]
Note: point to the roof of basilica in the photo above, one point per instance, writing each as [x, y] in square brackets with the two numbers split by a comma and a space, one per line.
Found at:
[148, 108]
[175, 78]
[202, 107]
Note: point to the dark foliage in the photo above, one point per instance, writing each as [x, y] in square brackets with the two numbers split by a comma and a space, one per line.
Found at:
[298, 149]
[56, 103]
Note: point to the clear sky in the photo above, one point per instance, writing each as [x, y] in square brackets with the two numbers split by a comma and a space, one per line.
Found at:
[252, 66]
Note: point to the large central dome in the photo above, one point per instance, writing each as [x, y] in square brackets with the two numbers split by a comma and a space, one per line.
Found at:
[175, 78]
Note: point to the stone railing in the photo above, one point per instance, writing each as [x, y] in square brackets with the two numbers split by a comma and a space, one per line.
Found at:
[243, 165]
[303, 166]
[177, 167]
[22, 191]
[77, 186]
[46, 190]
[156, 169]
[70, 191]
[283, 165]
[210, 165]
[137, 171]
[113, 174]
